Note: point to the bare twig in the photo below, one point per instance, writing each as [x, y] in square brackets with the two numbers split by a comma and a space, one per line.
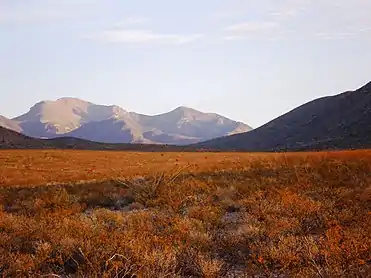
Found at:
[312, 260]
[128, 270]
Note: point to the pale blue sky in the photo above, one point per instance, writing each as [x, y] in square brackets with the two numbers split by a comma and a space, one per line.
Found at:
[248, 60]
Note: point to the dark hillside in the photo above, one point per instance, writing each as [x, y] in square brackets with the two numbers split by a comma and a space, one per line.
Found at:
[336, 122]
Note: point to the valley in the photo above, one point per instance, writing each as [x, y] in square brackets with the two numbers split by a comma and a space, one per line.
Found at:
[185, 139]
[71, 213]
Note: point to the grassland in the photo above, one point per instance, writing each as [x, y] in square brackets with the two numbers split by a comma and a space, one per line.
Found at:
[116, 214]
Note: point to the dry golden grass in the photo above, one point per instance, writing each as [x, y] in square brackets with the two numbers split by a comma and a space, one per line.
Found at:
[111, 214]
[30, 168]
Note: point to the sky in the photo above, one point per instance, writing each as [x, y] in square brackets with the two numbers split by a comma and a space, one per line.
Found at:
[248, 60]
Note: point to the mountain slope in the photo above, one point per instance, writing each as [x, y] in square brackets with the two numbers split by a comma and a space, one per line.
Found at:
[71, 117]
[107, 131]
[10, 124]
[11, 138]
[336, 122]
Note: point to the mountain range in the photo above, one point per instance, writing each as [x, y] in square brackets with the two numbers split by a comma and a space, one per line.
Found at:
[336, 122]
[71, 117]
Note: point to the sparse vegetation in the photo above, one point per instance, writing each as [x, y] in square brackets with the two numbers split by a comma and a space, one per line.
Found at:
[111, 214]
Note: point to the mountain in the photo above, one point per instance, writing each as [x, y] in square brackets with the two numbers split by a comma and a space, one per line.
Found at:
[336, 122]
[71, 117]
[55, 118]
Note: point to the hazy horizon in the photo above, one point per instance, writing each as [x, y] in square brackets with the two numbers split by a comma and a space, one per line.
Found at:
[250, 62]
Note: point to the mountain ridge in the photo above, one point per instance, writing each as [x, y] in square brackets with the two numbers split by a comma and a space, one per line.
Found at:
[73, 117]
[340, 121]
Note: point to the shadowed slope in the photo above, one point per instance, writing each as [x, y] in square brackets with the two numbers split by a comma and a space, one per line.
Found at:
[336, 122]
